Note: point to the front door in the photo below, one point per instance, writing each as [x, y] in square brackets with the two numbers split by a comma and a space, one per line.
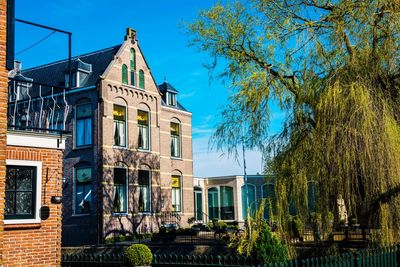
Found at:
[198, 205]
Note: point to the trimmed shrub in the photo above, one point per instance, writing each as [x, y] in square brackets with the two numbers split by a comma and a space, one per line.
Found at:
[269, 248]
[139, 255]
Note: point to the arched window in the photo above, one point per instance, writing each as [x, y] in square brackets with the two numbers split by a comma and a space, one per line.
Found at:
[124, 74]
[83, 125]
[82, 188]
[141, 79]
[227, 206]
[144, 189]
[198, 203]
[119, 114]
[268, 193]
[133, 66]
[120, 202]
[250, 191]
[175, 140]
[143, 130]
[213, 203]
[176, 184]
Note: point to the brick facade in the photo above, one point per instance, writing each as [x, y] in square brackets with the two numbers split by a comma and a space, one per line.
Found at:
[37, 244]
[3, 115]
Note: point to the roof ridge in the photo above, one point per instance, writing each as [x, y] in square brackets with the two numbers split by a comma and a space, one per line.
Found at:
[73, 58]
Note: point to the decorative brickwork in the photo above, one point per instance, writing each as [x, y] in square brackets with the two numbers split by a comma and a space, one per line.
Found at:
[3, 114]
[37, 244]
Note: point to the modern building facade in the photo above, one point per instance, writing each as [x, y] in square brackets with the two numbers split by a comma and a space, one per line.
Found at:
[225, 197]
[127, 165]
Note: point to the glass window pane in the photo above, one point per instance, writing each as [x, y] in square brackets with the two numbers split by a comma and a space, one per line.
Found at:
[176, 181]
[119, 113]
[83, 111]
[124, 74]
[83, 175]
[88, 135]
[141, 79]
[213, 205]
[251, 199]
[10, 203]
[119, 133]
[144, 177]
[23, 203]
[83, 190]
[24, 179]
[120, 176]
[120, 194]
[80, 133]
[11, 178]
[174, 128]
[143, 117]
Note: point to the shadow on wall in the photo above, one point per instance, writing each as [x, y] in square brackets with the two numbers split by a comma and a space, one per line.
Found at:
[133, 217]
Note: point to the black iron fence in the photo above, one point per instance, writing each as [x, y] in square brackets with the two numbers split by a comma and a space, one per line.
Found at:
[385, 256]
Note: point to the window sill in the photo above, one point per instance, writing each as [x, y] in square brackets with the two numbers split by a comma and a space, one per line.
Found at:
[124, 214]
[120, 147]
[82, 147]
[81, 215]
[145, 213]
[176, 158]
[144, 150]
[20, 226]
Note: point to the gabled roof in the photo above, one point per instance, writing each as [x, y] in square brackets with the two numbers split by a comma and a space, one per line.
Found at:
[166, 87]
[54, 73]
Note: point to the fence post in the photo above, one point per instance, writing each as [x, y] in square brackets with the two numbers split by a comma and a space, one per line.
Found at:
[357, 261]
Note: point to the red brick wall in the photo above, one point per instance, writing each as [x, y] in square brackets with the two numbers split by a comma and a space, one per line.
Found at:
[3, 112]
[37, 244]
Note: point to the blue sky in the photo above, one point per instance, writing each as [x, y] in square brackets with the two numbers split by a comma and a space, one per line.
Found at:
[100, 24]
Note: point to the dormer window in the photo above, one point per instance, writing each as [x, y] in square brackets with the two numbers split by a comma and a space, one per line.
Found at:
[73, 80]
[171, 99]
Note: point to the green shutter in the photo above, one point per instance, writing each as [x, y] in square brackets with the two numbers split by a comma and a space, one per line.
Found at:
[124, 74]
[141, 79]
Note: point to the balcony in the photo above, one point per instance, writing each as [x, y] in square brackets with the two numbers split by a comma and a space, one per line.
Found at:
[36, 107]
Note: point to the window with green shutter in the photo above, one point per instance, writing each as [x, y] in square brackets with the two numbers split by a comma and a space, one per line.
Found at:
[141, 79]
[133, 66]
[124, 74]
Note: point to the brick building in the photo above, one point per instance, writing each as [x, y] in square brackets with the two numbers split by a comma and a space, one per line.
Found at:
[30, 172]
[128, 163]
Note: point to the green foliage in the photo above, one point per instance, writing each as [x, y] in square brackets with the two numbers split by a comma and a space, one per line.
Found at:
[139, 255]
[268, 248]
[258, 240]
[338, 87]
[297, 226]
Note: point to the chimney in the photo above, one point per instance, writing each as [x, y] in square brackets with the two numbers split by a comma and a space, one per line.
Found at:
[130, 34]
[17, 67]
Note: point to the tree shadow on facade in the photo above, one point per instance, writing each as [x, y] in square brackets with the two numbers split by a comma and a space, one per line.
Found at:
[134, 220]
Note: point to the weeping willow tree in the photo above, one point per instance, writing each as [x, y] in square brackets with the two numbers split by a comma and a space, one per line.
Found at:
[333, 66]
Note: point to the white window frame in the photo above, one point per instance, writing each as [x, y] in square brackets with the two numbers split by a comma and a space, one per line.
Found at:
[127, 191]
[76, 129]
[179, 140]
[74, 192]
[151, 191]
[180, 192]
[149, 130]
[38, 165]
[126, 127]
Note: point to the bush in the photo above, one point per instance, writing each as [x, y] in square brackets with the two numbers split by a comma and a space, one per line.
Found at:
[139, 255]
[269, 248]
